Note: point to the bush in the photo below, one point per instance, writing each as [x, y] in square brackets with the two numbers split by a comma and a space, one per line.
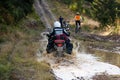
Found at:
[11, 11]
[5, 71]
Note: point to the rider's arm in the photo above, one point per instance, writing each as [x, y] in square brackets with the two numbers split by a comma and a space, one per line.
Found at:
[52, 32]
[65, 32]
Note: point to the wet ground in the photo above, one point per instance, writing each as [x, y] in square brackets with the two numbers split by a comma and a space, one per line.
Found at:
[83, 63]
[108, 57]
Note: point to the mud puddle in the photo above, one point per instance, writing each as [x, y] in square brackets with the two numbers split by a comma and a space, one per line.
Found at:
[81, 64]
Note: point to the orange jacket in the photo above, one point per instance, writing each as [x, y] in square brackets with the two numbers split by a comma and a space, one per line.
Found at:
[77, 17]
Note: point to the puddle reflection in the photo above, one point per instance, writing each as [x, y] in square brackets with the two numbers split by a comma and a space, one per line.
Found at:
[112, 58]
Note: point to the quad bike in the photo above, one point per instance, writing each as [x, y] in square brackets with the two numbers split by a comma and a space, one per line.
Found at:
[59, 47]
[66, 25]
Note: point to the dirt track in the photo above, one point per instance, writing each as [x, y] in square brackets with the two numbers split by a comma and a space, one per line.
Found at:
[48, 18]
[44, 12]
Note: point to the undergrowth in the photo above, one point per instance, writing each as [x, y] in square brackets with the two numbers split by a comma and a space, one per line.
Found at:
[18, 46]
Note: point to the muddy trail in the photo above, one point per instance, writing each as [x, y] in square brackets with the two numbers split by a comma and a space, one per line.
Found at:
[44, 12]
[81, 65]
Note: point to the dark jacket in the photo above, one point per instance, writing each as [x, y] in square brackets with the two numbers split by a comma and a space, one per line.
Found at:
[59, 31]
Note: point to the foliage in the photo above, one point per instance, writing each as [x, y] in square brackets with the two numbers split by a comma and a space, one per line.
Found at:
[12, 11]
[5, 71]
[73, 6]
[105, 11]
[16, 62]
[89, 0]
[66, 1]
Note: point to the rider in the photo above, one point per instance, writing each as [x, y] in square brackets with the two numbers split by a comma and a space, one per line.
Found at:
[77, 18]
[58, 31]
[61, 20]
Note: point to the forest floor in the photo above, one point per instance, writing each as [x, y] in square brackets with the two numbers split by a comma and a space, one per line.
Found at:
[18, 48]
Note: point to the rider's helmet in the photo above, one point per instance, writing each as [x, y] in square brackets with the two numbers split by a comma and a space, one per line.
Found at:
[57, 24]
[77, 13]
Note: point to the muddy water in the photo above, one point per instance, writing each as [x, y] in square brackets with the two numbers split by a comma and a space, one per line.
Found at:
[112, 58]
[107, 57]
[81, 65]
[104, 56]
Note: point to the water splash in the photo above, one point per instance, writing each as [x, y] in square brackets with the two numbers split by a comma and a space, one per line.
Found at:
[79, 66]
[43, 43]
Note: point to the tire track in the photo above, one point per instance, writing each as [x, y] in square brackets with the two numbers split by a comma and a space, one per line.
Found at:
[44, 12]
[48, 11]
[82, 66]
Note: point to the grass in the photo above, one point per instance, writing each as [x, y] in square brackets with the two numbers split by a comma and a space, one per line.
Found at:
[5, 71]
[60, 9]
[18, 46]
[105, 76]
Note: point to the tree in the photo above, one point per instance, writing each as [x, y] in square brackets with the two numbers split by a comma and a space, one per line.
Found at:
[104, 11]
[89, 0]
[68, 2]
[11, 11]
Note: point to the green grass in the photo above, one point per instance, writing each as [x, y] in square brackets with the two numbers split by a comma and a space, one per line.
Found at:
[5, 71]
[18, 46]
